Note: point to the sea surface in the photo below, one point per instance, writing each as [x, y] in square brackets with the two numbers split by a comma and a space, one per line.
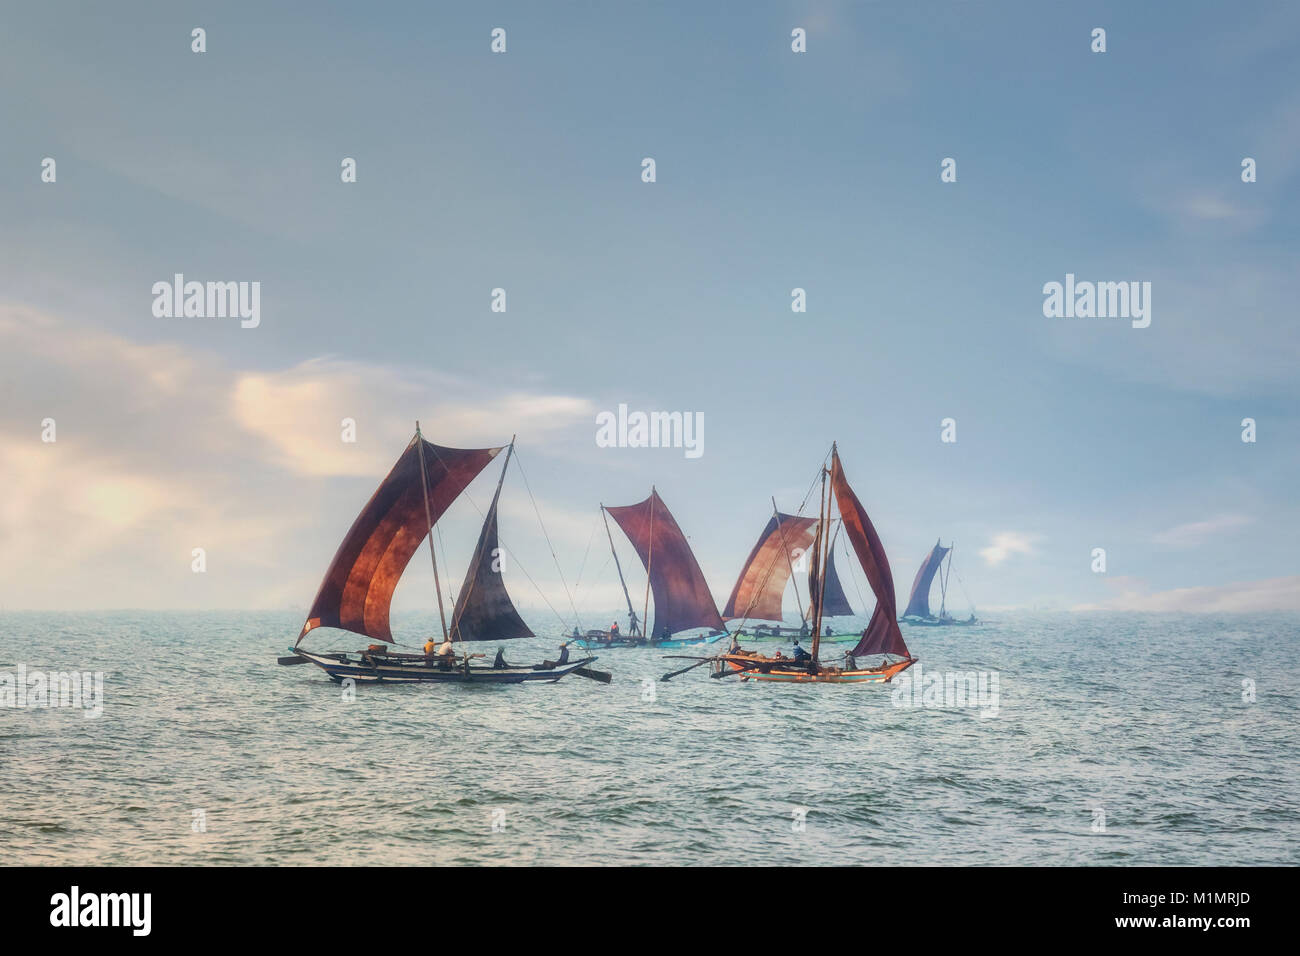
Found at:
[1117, 739]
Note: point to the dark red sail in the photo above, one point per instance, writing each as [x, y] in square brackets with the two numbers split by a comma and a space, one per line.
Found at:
[882, 635]
[918, 604]
[761, 585]
[484, 611]
[358, 587]
[835, 602]
[682, 598]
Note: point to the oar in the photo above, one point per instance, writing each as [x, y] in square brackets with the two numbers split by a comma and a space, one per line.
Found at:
[700, 663]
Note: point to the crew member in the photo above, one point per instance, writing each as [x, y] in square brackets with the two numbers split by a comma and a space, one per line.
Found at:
[799, 653]
[564, 654]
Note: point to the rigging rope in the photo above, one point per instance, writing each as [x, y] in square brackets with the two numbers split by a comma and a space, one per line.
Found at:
[767, 575]
[594, 528]
[500, 543]
[558, 570]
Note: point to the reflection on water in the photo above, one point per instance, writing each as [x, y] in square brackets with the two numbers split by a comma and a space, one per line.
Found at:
[1118, 739]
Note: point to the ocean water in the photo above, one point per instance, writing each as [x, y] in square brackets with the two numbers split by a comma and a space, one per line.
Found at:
[1117, 739]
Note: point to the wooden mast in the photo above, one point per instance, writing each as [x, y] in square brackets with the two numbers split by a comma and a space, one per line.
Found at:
[428, 520]
[650, 554]
[631, 614]
[821, 568]
[478, 554]
[790, 562]
[943, 587]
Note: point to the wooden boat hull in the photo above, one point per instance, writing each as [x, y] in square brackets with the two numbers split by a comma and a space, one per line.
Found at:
[756, 667]
[341, 667]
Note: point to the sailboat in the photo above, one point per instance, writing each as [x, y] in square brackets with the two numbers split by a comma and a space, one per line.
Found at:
[358, 587]
[918, 603]
[682, 599]
[760, 590]
[881, 638]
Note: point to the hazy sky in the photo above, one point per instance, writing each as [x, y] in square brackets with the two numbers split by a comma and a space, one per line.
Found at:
[775, 170]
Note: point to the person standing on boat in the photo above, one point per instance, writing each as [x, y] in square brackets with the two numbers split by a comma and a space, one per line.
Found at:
[803, 630]
[501, 658]
[613, 631]
[828, 630]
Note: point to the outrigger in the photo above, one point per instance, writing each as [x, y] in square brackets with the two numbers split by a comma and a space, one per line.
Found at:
[881, 637]
[358, 587]
[682, 598]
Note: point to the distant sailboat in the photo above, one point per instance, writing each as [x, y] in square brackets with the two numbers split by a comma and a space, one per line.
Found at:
[358, 587]
[682, 599]
[881, 637]
[918, 603]
[760, 590]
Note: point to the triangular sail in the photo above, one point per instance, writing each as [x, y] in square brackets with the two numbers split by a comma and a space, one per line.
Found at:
[918, 604]
[484, 611]
[814, 573]
[882, 635]
[358, 587]
[835, 602]
[761, 585]
[682, 598]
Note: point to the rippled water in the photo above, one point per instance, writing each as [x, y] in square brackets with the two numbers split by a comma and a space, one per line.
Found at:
[1142, 718]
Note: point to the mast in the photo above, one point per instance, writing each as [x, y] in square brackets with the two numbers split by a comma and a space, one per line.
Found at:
[631, 614]
[650, 553]
[824, 511]
[943, 586]
[424, 485]
[798, 603]
[478, 551]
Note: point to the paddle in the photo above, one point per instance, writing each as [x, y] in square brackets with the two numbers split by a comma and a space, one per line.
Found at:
[701, 663]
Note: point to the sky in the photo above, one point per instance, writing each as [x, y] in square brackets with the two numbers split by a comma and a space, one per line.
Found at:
[775, 170]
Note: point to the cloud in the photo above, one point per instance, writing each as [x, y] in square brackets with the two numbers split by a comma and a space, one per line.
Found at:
[1196, 532]
[1007, 543]
[1271, 594]
[299, 411]
[162, 449]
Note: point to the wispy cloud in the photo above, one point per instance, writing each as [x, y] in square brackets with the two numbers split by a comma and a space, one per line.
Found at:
[1007, 543]
[162, 449]
[299, 411]
[1195, 533]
